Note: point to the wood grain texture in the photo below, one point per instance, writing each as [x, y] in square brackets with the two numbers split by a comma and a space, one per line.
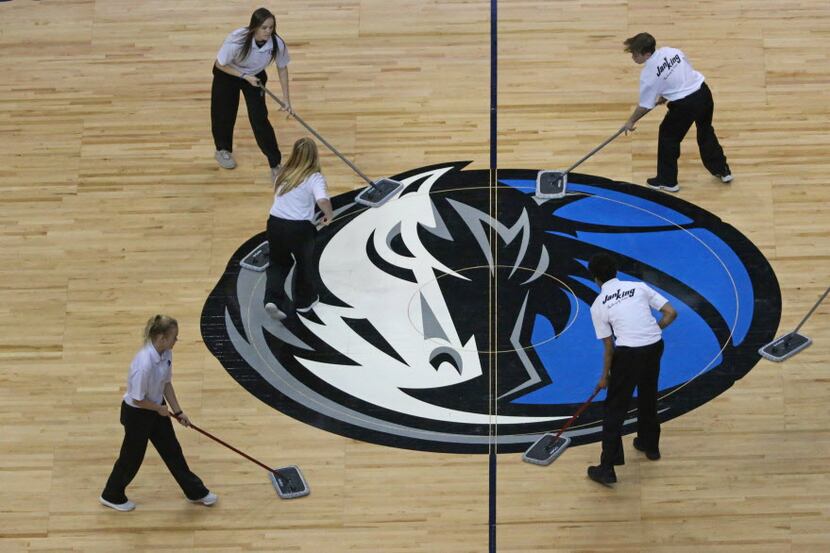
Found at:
[112, 208]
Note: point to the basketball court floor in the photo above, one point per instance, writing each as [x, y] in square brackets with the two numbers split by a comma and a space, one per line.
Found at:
[453, 329]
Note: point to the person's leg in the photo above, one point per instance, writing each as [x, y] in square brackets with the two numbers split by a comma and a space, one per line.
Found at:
[266, 139]
[224, 104]
[164, 440]
[711, 152]
[648, 425]
[673, 129]
[304, 274]
[621, 384]
[279, 240]
[137, 424]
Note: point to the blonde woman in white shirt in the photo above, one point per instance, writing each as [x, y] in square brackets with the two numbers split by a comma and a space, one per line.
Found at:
[145, 416]
[668, 77]
[240, 67]
[298, 188]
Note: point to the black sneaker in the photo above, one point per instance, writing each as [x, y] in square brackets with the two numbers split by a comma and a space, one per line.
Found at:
[652, 455]
[657, 185]
[602, 475]
[309, 307]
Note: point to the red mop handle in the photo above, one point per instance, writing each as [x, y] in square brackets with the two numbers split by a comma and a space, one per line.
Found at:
[229, 446]
[578, 412]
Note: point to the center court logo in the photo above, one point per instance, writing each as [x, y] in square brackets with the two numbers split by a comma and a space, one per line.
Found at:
[449, 294]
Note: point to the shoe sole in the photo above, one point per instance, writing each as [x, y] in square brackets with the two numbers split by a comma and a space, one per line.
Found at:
[309, 308]
[275, 312]
[114, 506]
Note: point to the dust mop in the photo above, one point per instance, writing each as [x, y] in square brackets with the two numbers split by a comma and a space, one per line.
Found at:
[288, 481]
[377, 193]
[788, 345]
[546, 449]
[554, 184]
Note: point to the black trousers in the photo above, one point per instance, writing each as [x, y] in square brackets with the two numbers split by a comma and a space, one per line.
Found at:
[696, 108]
[224, 104]
[141, 426]
[631, 367]
[288, 238]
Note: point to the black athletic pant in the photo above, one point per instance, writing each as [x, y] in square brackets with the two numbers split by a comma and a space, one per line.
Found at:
[631, 367]
[288, 238]
[141, 426]
[696, 108]
[224, 103]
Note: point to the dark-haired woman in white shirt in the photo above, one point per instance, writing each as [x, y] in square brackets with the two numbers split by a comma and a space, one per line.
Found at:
[240, 67]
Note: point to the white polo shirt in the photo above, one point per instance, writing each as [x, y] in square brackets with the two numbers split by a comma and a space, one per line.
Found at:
[149, 372]
[298, 205]
[669, 74]
[623, 309]
[258, 57]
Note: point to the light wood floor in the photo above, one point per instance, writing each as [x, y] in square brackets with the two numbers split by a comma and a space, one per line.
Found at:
[112, 208]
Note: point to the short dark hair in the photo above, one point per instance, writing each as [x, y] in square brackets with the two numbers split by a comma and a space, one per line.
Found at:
[603, 266]
[642, 43]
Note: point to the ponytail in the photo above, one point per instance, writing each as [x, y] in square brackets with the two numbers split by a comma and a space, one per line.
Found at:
[158, 325]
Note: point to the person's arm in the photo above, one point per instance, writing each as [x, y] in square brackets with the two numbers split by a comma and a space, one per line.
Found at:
[282, 72]
[669, 315]
[607, 356]
[639, 112]
[173, 402]
[325, 207]
[152, 406]
[251, 79]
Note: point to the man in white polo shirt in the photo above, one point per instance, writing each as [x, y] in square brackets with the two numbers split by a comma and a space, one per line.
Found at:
[667, 76]
[633, 342]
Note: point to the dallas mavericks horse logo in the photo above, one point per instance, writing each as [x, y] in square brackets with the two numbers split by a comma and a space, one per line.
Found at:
[449, 295]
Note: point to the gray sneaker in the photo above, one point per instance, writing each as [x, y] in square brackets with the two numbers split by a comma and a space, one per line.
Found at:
[225, 159]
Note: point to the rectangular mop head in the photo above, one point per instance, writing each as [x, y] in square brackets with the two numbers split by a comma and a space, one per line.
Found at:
[378, 194]
[258, 260]
[551, 184]
[785, 346]
[289, 482]
[546, 449]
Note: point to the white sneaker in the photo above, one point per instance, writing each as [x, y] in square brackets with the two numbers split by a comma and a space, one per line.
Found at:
[274, 311]
[725, 178]
[208, 500]
[225, 159]
[123, 507]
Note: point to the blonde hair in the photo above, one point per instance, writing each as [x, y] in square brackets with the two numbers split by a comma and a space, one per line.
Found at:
[158, 325]
[304, 161]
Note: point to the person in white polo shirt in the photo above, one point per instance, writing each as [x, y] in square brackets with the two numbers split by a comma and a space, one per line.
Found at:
[667, 76]
[240, 67]
[146, 417]
[298, 188]
[633, 343]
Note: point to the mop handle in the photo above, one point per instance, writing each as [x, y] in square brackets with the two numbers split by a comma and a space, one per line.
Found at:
[229, 446]
[804, 320]
[601, 146]
[578, 412]
[320, 138]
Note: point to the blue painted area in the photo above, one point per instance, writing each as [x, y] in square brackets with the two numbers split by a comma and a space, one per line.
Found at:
[574, 360]
[685, 256]
[522, 185]
[695, 256]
